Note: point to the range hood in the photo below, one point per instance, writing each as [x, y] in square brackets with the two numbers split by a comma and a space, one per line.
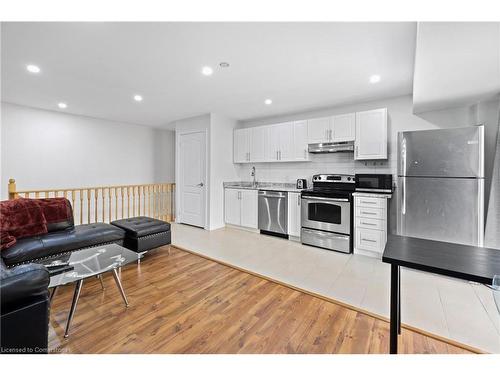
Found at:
[323, 148]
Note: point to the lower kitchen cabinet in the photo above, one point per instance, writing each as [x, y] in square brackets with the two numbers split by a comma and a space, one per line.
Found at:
[370, 224]
[240, 207]
[294, 222]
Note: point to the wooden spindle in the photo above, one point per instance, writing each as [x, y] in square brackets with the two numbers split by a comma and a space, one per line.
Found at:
[96, 197]
[139, 199]
[73, 202]
[88, 206]
[116, 204]
[81, 206]
[128, 201]
[103, 206]
[133, 200]
[109, 203]
[122, 195]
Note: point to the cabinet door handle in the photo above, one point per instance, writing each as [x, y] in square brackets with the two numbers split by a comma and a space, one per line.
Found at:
[362, 222]
[368, 240]
[367, 202]
[279, 153]
[298, 200]
[276, 155]
[368, 213]
[356, 151]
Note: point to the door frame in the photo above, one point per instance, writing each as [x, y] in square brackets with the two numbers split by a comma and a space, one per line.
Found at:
[179, 188]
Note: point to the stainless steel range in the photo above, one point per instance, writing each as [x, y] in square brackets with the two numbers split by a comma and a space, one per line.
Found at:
[327, 212]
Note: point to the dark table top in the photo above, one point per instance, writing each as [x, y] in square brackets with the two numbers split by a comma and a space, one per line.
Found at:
[471, 263]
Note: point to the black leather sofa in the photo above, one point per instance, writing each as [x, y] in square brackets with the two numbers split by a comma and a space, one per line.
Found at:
[24, 321]
[24, 285]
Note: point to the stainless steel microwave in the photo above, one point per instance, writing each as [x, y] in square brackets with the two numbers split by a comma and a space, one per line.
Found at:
[377, 183]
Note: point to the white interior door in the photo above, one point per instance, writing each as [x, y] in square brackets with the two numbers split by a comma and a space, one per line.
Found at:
[192, 178]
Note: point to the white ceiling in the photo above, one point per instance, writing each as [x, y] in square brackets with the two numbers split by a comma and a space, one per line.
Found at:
[457, 63]
[97, 67]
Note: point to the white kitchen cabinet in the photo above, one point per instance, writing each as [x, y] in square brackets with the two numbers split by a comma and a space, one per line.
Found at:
[240, 207]
[370, 224]
[318, 130]
[371, 135]
[300, 141]
[241, 145]
[343, 128]
[281, 142]
[232, 206]
[294, 221]
[259, 144]
[249, 208]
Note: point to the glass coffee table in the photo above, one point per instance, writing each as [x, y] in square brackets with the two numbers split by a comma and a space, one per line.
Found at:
[80, 265]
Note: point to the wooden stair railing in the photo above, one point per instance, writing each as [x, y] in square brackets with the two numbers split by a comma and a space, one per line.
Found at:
[108, 203]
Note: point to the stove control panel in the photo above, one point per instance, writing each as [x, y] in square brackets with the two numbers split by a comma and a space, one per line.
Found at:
[344, 178]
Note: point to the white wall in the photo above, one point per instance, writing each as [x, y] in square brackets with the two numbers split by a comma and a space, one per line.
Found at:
[222, 167]
[45, 149]
[456, 64]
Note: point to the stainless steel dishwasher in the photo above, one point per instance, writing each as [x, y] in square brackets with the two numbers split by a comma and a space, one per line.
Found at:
[273, 212]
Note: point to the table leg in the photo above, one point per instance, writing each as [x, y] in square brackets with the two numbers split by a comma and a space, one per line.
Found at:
[100, 279]
[394, 309]
[76, 296]
[54, 290]
[120, 287]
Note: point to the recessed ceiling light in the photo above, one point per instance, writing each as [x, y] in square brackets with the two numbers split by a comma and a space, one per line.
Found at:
[62, 105]
[224, 65]
[207, 71]
[32, 68]
[374, 78]
[138, 98]
[268, 102]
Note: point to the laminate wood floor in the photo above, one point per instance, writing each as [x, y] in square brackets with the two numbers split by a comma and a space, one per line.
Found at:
[184, 303]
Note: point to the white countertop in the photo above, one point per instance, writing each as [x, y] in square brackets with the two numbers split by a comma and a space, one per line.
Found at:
[372, 195]
[264, 186]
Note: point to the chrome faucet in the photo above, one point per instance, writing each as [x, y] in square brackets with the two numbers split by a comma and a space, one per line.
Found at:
[254, 183]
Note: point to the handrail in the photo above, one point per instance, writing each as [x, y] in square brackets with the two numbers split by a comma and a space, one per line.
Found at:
[107, 203]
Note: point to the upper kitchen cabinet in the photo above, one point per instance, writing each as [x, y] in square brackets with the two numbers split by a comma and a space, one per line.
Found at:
[371, 135]
[340, 128]
[319, 130]
[300, 141]
[281, 142]
[241, 145]
[343, 128]
[259, 144]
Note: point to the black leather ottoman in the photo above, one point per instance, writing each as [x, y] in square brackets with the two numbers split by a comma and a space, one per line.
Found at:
[144, 233]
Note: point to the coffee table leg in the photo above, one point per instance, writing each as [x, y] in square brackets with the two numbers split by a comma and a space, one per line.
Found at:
[100, 279]
[120, 287]
[76, 296]
[54, 290]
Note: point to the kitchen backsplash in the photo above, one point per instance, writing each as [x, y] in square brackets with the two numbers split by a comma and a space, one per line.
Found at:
[340, 163]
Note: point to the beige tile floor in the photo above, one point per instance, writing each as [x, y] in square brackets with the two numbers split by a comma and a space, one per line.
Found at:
[451, 308]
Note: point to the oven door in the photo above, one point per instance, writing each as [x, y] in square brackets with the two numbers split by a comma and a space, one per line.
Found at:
[329, 214]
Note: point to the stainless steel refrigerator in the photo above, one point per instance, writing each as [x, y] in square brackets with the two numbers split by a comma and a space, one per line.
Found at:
[441, 184]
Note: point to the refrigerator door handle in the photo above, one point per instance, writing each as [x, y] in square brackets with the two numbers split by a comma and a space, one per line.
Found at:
[403, 196]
